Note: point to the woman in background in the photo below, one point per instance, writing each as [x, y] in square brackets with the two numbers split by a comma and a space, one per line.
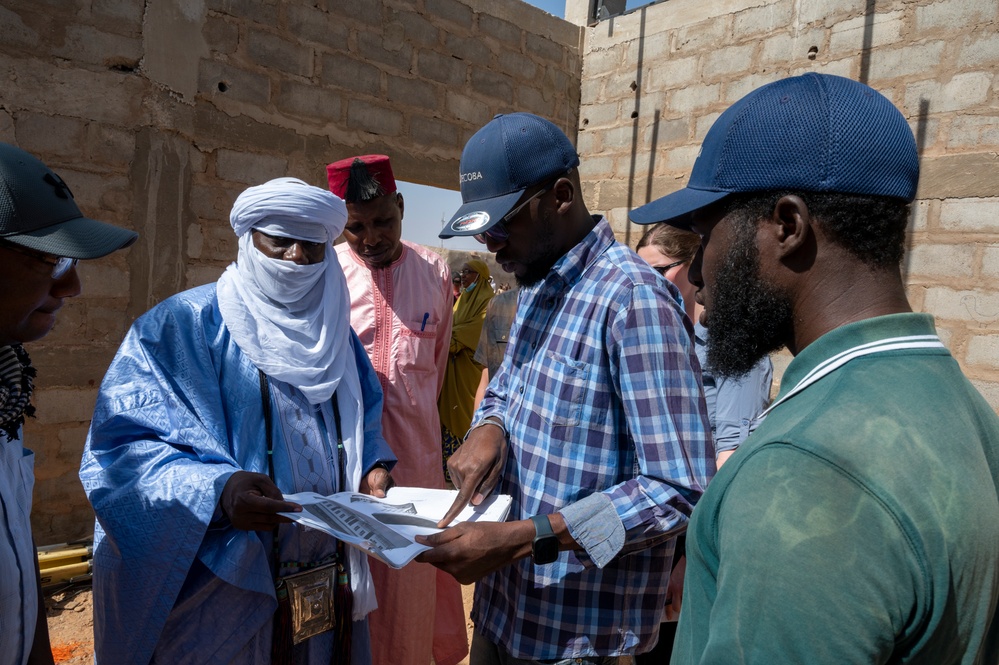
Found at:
[463, 373]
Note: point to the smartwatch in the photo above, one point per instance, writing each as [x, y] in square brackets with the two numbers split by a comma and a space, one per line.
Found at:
[544, 549]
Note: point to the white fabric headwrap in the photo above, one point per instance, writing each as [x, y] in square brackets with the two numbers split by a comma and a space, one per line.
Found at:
[293, 321]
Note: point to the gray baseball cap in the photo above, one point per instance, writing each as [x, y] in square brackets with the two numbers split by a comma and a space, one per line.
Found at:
[37, 211]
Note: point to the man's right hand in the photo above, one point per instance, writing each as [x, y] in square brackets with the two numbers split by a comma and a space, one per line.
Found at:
[252, 502]
[475, 468]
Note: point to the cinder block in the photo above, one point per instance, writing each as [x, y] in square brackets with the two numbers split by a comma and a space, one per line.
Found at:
[63, 405]
[938, 260]
[667, 132]
[260, 11]
[979, 51]
[472, 50]
[125, 15]
[373, 118]
[417, 29]
[763, 20]
[829, 12]
[727, 60]
[976, 215]
[269, 50]
[84, 43]
[505, 32]
[517, 65]
[923, 58]
[702, 35]
[990, 262]
[433, 132]
[414, 92]
[492, 84]
[218, 79]
[983, 349]
[308, 100]
[694, 97]
[544, 48]
[963, 91]
[535, 100]
[786, 47]
[103, 280]
[48, 136]
[672, 73]
[849, 36]
[198, 275]
[467, 109]
[948, 14]
[110, 145]
[451, 11]
[600, 62]
[376, 48]
[221, 34]
[442, 68]
[978, 309]
[600, 115]
[249, 168]
[350, 74]
[315, 25]
[13, 31]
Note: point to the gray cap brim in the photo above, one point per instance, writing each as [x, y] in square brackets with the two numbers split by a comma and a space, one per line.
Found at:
[79, 238]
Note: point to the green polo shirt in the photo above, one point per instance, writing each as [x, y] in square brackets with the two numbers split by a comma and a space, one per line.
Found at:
[858, 524]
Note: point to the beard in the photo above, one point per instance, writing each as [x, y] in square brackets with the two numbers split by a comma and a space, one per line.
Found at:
[543, 256]
[747, 318]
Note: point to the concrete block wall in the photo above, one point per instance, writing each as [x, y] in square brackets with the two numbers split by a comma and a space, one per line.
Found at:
[159, 112]
[655, 79]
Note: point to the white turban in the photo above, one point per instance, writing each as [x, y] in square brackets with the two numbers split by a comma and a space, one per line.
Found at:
[289, 201]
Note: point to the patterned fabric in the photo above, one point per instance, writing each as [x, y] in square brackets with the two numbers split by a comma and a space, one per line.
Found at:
[178, 413]
[601, 396]
[16, 384]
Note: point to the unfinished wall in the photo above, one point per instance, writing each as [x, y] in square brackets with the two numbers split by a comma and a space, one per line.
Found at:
[159, 112]
[654, 81]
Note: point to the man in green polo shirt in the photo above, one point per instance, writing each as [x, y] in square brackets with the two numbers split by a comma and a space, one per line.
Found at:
[860, 522]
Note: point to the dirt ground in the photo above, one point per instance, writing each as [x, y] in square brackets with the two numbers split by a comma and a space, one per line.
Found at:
[71, 625]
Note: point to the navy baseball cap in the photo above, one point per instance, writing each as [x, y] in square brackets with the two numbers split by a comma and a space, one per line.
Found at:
[37, 211]
[809, 133]
[509, 154]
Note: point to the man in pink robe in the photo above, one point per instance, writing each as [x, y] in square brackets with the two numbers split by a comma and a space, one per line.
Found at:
[401, 309]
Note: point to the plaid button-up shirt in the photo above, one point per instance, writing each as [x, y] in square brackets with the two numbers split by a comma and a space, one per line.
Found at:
[600, 393]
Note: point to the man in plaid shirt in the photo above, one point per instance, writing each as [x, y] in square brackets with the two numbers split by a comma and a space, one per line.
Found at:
[595, 422]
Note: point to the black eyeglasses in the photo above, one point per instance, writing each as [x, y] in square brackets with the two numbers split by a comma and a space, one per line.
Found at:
[60, 264]
[467, 272]
[662, 270]
[498, 231]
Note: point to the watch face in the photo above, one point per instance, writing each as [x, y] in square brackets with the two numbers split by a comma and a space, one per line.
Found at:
[544, 550]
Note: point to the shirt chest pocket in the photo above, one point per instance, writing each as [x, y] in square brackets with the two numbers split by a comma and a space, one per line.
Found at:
[416, 346]
[561, 390]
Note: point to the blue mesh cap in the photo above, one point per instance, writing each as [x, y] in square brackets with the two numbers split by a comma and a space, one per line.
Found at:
[509, 154]
[37, 210]
[809, 133]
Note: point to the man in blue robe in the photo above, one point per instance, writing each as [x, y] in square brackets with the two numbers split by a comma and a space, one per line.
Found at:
[176, 464]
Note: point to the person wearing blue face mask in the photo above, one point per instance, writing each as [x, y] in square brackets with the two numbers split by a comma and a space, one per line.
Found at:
[221, 400]
[463, 373]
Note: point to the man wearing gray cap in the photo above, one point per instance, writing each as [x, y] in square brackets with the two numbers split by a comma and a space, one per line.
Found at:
[594, 422]
[860, 522]
[42, 236]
